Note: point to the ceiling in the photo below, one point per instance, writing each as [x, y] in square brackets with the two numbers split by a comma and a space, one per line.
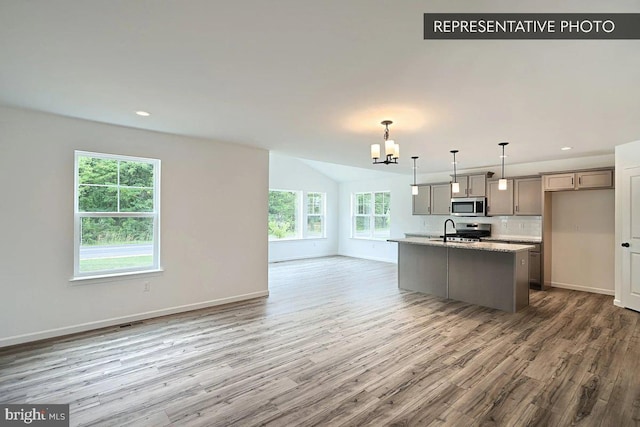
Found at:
[313, 79]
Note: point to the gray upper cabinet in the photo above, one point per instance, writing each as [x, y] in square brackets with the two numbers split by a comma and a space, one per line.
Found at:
[463, 181]
[578, 180]
[499, 202]
[422, 202]
[477, 186]
[594, 179]
[560, 181]
[527, 194]
[441, 199]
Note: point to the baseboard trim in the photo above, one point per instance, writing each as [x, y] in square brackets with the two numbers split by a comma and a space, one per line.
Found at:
[83, 327]
[583, 288]
[371, 258]
[618, 303]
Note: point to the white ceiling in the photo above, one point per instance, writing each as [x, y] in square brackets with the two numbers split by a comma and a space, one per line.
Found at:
[313, 79]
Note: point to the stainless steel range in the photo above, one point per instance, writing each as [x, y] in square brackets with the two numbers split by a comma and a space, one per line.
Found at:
[469, 233]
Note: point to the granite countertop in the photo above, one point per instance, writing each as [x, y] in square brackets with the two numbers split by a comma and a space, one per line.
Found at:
[478, 246]
[516, 239]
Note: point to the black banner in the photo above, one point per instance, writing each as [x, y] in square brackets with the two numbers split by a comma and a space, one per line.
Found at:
[531, 26]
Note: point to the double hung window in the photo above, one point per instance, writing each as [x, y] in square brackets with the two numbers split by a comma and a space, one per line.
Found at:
[116, 215]
[371, 215]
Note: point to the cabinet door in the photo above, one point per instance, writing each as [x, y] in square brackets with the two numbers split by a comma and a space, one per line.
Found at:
[528, 196]
[534, 267]
[462, 180]
[477, 186]
[441, 199]
[561, 181]
[422, 202]
[500, 202]
[594, 179]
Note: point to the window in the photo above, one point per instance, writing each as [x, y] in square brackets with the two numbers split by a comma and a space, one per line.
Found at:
[117, 214]
[315, 215]
[371, 215]
[290, 218]
[283, 214]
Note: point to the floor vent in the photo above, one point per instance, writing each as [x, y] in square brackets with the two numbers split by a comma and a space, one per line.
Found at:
[128, 325]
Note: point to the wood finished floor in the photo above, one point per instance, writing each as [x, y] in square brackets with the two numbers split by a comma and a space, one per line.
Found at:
[336, 343]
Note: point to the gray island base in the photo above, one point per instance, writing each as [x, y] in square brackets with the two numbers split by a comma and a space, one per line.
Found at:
[494, 275]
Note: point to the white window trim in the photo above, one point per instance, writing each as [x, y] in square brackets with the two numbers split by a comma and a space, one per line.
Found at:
[302, 215]
[372, 215]
[322, 215]
[77, 275]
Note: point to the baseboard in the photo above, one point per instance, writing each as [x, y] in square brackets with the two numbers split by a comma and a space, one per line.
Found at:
[618, 303]
[83, 327]
[583, 288]
[370, 258]
[296, 258]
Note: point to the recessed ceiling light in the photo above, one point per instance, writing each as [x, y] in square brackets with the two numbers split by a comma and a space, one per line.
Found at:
[143, 113]
[566, 148]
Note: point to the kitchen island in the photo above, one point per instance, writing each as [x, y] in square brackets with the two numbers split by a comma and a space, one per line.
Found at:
[490, 274]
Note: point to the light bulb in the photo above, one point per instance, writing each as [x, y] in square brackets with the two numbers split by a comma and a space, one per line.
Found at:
[375, 151]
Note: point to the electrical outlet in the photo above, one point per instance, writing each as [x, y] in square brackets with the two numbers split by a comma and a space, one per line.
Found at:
[147, 286]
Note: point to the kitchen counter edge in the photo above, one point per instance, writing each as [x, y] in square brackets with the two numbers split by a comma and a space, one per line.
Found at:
[478, 246]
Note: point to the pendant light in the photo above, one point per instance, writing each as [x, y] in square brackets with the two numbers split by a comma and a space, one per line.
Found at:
[414, 187]
[455, 185]
[391, 149]
[502, 182]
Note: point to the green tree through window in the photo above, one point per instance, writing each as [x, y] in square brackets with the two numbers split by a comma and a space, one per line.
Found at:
[116, 208]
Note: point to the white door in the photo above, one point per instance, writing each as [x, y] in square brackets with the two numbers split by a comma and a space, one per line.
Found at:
[630, 238]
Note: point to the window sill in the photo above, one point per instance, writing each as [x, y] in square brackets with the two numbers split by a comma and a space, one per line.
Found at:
[114, 276]
[297, 239]
[375, 239]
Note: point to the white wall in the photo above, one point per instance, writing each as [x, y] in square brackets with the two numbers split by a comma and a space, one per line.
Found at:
[583, 240]
[213, 226]
[289, 173]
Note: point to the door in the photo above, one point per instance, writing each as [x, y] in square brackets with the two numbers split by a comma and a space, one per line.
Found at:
[462, 180]
[528, 196]
[441, 199]
[630, 238]
[500, 202]
[422, 202]
[595, 179]
[478, 185]
[560, 181]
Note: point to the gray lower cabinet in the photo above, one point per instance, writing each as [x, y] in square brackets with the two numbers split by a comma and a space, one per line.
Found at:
[441, 199]
[535, 271]
[534, 268]
[499, 202]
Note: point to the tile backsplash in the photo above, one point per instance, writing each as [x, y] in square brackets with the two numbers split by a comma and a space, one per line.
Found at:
[501, 226]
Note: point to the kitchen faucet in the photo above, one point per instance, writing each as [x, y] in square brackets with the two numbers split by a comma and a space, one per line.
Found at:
[445, 228]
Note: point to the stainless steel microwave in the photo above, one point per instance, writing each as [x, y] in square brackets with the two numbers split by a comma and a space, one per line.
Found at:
[469, 206]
